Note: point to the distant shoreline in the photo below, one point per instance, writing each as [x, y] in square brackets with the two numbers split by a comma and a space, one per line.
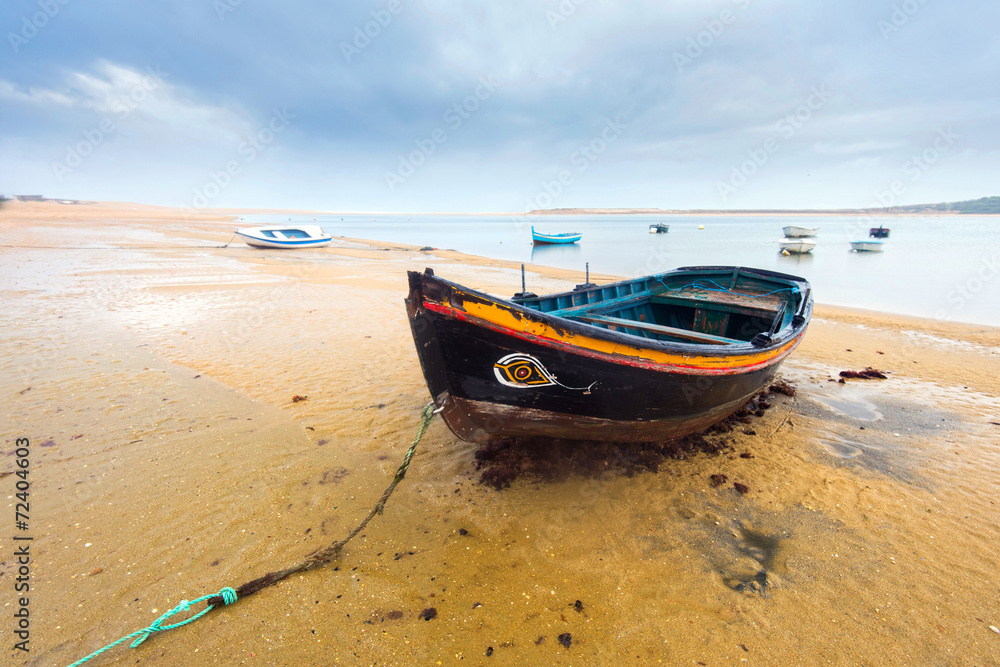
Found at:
[746, 212]
[83, 209]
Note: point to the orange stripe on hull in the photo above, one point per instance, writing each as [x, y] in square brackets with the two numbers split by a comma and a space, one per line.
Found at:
[503, 320]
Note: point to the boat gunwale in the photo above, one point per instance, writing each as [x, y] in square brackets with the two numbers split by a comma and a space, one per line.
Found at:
[780, 338]
[560, 235]
[559, 238]
[804, 289]
[859, 244]
[304, 228]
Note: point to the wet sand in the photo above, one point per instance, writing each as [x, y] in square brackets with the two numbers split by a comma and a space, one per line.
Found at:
[154, 371]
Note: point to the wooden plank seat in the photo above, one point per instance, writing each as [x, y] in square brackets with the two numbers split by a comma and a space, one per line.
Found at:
[759, 306]
[693, 336]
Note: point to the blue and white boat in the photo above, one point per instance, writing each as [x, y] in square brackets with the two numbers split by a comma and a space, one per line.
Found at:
[565, 237]
[869, 245]
[285, 236]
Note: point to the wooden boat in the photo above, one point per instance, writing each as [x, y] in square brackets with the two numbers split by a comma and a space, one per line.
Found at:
[659, 228]
[285, 236]
[797, 246]
[566, 237]
[879, 232]
[871, 245]
[646, 359]
[794, 231]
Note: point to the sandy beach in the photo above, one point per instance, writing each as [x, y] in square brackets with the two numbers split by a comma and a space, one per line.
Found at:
[153, 369]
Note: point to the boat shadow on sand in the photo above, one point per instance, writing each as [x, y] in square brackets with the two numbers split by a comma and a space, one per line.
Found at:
[540, 459]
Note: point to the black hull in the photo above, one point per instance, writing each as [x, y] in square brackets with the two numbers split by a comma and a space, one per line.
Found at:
[582, 395]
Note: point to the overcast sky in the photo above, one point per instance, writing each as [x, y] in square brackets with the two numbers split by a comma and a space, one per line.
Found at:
[452, 105]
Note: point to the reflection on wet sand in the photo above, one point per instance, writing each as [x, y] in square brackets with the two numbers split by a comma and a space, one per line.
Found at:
[176, 463]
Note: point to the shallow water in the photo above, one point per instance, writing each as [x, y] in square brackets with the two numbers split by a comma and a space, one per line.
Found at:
[945, 267]
[156, 388]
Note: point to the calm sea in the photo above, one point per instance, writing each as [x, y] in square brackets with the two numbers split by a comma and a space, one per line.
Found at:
[940, 267]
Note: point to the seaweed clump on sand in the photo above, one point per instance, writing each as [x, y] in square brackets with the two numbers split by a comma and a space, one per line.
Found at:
[867, 374]
[782, 387]
[502, 461]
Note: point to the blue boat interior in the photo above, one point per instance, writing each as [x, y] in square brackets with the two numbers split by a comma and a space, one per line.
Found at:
[286, 234]
[699, 308]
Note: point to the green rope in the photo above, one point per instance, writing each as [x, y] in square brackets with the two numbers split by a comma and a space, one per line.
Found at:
[228, 596]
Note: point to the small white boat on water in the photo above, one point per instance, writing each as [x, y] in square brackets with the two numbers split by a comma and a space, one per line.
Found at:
[796, 245]
[794, 231]
[659, 228]
[870, 245]
[285, 236]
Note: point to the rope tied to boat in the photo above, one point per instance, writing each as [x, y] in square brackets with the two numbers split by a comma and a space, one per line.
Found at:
[228, 596]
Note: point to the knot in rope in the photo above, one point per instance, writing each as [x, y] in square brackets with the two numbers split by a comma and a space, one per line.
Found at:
[228, 596]
[157, 625]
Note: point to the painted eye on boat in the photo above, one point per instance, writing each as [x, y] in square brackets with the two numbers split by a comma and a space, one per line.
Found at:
[525, 373]
[522, 370]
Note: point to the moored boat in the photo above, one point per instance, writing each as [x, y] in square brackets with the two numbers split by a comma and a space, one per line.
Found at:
[639, 360]
[797, 246]
[794, 231]
[659, 228]
[285, 236]
[565, 237]
[870, 245]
